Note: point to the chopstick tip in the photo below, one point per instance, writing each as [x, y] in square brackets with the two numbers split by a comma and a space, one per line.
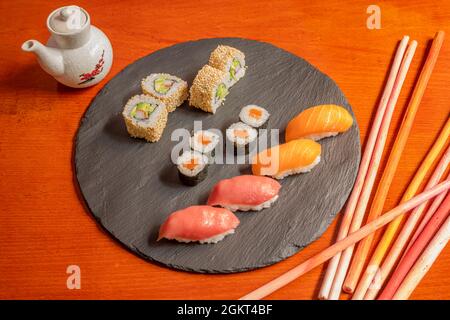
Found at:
[414, 43]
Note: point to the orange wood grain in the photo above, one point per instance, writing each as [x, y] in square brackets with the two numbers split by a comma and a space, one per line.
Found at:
[44, 225]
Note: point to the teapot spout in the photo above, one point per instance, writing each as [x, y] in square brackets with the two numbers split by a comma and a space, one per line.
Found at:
[50, 59]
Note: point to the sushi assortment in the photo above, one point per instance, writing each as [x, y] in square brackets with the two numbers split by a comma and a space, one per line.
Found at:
[244, 134]
[146, 116]
[212, 83]
[193, 164]
[204, 142]
[212, 222]
[299, 154]
[209, 89]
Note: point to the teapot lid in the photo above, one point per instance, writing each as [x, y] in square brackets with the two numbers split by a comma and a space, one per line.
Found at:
[67, 20]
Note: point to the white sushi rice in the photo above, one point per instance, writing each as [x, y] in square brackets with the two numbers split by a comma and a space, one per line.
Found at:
[196, 145]
[318, 136]
[305, 169]
[154, 116]
[187, 156]
[246, 118]
[243, 207]
[214, 239]
[148, 84]
[238, 141]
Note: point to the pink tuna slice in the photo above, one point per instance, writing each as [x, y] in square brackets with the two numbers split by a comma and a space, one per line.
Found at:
[244, 190]
[197, 223]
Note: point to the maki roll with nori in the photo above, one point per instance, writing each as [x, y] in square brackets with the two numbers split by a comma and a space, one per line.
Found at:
[145, 117]
[241, 135]
[192, 167]
[209, 89]
[229, 60]
[205, 141]
[171, 90]
[254, 116]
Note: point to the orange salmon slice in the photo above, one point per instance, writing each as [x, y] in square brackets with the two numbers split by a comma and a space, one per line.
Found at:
[318, 120]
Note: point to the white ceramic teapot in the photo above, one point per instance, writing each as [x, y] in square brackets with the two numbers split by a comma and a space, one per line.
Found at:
[77, 54]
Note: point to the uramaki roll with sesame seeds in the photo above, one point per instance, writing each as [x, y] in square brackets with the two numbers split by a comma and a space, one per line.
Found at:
[230, 60]
[170, 89]
[145, 117]
[209, 89]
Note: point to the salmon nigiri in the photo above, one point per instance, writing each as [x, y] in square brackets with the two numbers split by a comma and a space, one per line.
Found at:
[245, 193]
[319, 122]
[296, 156]
[204, 224]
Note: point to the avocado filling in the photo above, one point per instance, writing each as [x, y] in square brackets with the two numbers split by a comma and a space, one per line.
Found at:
[162, 84]
[142, 111]
[221, 92]
[234, 68]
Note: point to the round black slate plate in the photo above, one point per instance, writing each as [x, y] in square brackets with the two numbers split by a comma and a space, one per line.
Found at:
[131, 186]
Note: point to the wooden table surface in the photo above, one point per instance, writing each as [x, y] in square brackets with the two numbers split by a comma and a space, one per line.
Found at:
[45, 226]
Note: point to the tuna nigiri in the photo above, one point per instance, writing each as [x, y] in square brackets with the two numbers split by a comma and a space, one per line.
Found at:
[245, 193]
[204, 224]
[296, 156]
[319, 122]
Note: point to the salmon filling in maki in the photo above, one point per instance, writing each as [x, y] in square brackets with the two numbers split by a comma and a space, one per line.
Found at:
[203, 140]
[190, 164]
[254, 116]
